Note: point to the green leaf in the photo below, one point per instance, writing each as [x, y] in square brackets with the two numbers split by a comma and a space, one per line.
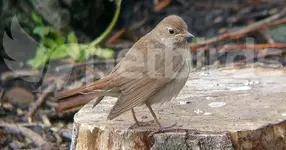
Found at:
[72, 38]
[103, 53]
[54, 33]
[50, 43]
[41, 31]
[73, 50]
[39, 59]
[60, 52]
[37, 19]
[60, 40]
[84, 55]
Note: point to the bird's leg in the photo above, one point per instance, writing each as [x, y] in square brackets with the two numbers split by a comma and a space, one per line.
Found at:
[98, 99]
[154, 115]
[161, 129]
[134, 116]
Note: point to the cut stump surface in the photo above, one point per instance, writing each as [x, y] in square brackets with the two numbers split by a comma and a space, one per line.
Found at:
[225, 108]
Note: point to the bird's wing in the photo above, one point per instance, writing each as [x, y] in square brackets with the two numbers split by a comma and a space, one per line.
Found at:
[139, 84]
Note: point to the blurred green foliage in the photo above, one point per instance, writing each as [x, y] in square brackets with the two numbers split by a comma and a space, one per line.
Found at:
[54, 46]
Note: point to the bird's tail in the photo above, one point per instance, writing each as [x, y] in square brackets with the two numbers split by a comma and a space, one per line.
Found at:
[97, 85]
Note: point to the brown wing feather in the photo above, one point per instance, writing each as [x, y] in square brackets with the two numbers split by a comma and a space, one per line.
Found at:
[127, 102]
[137, 91]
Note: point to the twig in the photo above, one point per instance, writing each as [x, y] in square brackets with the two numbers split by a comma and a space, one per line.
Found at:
[277, 52]
[76, 65]
[1, 96]
[162, 4]
[46, 120]
[230, 47]
[214, 5]
[227, 48]
[247, 14]
[267, 1]
[40, 100]
[56, 134]
[265, 23]
[116, 36]
[260, 36]
[19, 73]
[3, 124]
[67, 134]
[36, 138]
[138, 24]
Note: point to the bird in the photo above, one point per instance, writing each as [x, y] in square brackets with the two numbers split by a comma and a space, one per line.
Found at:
[154, 70]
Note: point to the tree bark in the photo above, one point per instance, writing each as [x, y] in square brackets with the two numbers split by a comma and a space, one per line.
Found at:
[220, 108]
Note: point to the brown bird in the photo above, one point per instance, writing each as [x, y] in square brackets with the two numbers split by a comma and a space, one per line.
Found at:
[154, 70]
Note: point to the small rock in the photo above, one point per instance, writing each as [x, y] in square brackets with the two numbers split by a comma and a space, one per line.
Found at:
[20, 112]
[19, 96]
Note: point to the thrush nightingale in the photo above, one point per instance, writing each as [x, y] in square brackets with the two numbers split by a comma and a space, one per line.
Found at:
[154, 70]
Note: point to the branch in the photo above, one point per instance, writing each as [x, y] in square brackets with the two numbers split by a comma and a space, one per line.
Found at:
[227, 48]
[263, 24]
[162, 4]
[40, 101]
[36, 138]
[276, 52]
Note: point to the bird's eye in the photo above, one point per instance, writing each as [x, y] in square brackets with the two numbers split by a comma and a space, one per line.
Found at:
[171, 31]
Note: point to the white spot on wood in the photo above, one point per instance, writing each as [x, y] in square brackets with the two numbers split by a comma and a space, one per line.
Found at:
[205, 74]
[210, 98]
[207, 113]
[249, 82]
[241, 88]
[198, 111]
[90, 128]
[184, 102]
[184, 96]
[216, 104]
[216, 84]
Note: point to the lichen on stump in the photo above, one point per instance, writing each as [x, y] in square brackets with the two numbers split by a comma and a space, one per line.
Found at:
[224, 108]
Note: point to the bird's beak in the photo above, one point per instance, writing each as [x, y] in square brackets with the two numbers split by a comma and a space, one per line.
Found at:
[186, 35]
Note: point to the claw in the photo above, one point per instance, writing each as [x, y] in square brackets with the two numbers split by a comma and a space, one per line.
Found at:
[163, 130]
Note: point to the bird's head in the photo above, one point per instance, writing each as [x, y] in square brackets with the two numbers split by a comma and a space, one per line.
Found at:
[172, 28]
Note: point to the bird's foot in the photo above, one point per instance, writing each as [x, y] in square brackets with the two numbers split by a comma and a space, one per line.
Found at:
[162, 130]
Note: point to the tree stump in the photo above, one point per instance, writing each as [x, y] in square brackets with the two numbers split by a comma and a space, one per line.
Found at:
[225, 108]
